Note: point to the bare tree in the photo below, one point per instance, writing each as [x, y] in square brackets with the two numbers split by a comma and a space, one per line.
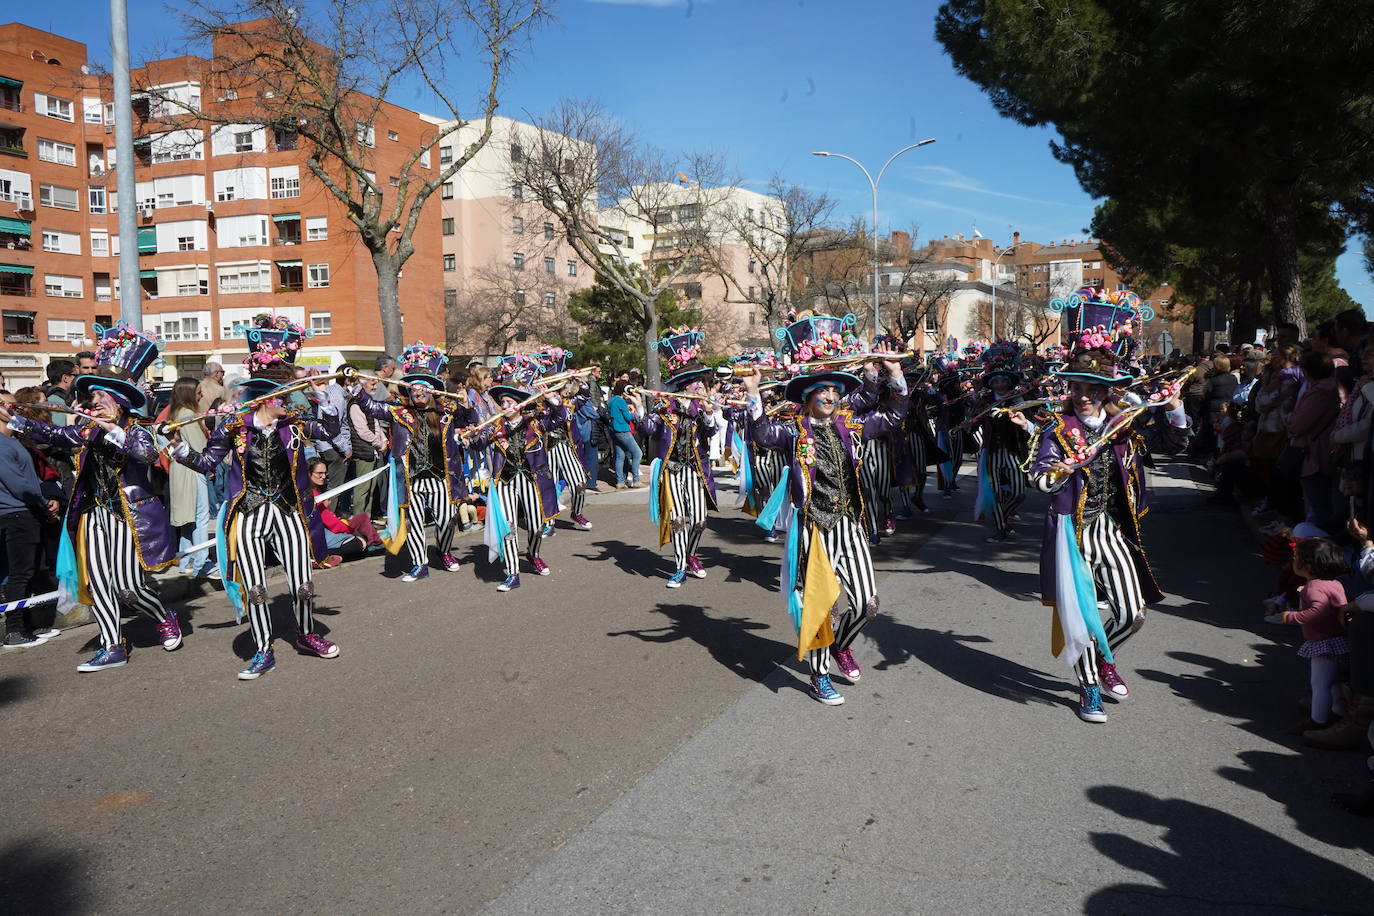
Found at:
[320, 81]
[834, 269]
[621, 202]
[914, 289]
[501, 305]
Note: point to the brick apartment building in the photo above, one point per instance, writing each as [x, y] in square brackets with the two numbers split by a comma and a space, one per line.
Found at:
[230, 223]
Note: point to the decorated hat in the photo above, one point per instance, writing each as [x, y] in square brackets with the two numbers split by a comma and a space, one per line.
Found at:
[809, 337]
[553, 359]
[1001, 360]
[422, 363]
[803, 386]
[1101, 328]
[680, 350]
[498, 392]
[122, 356]
[518, 369]
[276, 335]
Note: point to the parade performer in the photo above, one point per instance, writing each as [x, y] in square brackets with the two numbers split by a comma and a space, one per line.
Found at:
[918, 449]
[820, 504]
[681, 484]
[1001, 482]
[270, 497]
[426, 478]
[567, 447]
[950, 412]
[115, 531]
[521, 492]
[760, 468]
[1091, 459]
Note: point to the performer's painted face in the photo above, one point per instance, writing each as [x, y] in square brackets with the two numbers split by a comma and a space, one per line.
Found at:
[105, 404]
[421, 394]
[822, 403]
[1087, 397]
[275, 408]
[1000, 385]
[508, 405]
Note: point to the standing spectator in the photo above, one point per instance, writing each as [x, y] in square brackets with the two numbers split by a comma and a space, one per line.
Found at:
[61, 374]
[1220, 388]
[626, 458]
[1195, 398]
[188, 493]
[211, 386]
[1275, 396]
[385, 366]
[370, 447]
[23, 509]
[590, 428]
[1309, 428]
[85, 362]
[336, 452]
[1321, 562]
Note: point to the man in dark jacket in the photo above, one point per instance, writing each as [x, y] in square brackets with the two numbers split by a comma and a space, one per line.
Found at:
[23, 508]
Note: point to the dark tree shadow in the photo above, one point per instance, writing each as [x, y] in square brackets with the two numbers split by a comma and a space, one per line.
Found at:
[1209, 861]
[631, 558]
[14, 690]
[37, 880]
[730, 640]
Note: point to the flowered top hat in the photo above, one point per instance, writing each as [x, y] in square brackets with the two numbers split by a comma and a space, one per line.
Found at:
[422, 363]
[518, 369]
[680, 350]
[809, 338]
[275, 335]
[1101, 330]
[553, 359]
[1001, 360]
[122, 356]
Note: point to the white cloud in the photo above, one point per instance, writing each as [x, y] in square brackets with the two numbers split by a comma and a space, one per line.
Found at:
[943, 177]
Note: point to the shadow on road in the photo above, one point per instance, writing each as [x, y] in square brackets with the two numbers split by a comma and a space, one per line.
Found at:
[40, 881]
[1210, 861]
[730, 640]
[631, 558]
[14, 689]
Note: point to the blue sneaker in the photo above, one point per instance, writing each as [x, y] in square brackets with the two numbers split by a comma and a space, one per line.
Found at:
[1090, 704]
[106, 658]
[415, 573]
[548, 531]
[509, 583]
[262, 663]
[824, 691]
[677, 578]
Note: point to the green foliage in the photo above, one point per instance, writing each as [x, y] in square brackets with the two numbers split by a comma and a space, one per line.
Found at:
[612, 324]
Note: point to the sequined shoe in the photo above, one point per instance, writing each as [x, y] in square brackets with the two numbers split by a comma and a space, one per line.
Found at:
[677, 578]
[1112, 680]
[824, 691]
[106, 658]
[849, 669]
[695, 568]
[549, 531]
[540, 566]
[415, 573]
[317, 645]
[508, 583]
[1090, 704]
[260, 664]
[169, 631]
[450, 562]
[889, 527]
[580, 522]
[771, 537]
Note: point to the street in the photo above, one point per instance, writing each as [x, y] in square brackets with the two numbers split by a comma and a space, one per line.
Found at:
[596, 743]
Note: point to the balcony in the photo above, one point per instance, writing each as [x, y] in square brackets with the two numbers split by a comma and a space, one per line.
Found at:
[12, 141]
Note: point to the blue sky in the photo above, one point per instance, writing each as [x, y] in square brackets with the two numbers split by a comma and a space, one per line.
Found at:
[765, 82]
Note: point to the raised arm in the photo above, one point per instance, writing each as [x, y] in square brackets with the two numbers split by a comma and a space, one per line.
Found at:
[216, 447]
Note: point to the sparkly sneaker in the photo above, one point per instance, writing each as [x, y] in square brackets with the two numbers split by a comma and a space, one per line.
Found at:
[549, 531]
[46, 633]
[450, 562]
[695, 568]
[106, 658]
[261, 663]
[580, 522]
[849, 669]
[169, 631]
[1090, 705]
[824, 691]
[316, 645]
[416, 573]
[771, 537]
[677, 578]
[889, 527]
[540, 566]
[508, 583]
[1112, 680]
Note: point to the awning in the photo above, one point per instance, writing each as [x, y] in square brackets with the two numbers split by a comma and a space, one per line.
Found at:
[15, 226]
[15, 269]
[288, 263]
[286, 217]
[8, 81]
[147, 239]
[147, 275]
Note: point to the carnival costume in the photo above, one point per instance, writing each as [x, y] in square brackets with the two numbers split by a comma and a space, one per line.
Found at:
[567, 448]
[1001, 480]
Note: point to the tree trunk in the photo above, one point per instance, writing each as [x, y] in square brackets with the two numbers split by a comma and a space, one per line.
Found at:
[653, 377]
[1285, 285]
[1199, 342]
[389, 303]
[1247, 314]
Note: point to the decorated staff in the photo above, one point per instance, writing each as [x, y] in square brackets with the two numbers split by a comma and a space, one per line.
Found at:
[115, 531]
[819, 503]
[425, 479]
[1001, 482]
[681, 485]
[566, 446]
[1091, 460]
[522, 492]
[270, 499]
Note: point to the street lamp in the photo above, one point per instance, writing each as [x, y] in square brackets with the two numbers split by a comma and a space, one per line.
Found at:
[998, 260]
[873, 186]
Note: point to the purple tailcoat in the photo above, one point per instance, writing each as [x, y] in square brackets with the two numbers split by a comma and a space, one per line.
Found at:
[666, 425]
[536, 457]
[404, 424]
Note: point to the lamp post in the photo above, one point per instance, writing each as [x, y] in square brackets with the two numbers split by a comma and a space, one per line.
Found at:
[998, 260]
[873, 186]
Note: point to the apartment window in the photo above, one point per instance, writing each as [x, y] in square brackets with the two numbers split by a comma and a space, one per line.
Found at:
[519, 297]
[751, 294]
[66, 329]
[53, 107]
[316, 228]
[243, 141]
[753, 264]
[629, 241]
[20, 327]
[175, 146]
[96, 199]
[392, 136]
[366, 134]
[548, 231]
[62, 286]
[548, 266]
[55, 151]
[186, 243]
[550, 300]
[572, 268]
[450, 299]
[61, 242]
[517, 154]
[16, 187]
[446, 225]
[320, 323]
[1037, 285]
[424, 158]
[519, 260]
[517, 225]
[394, 181]
[753, 318]
[50, 195]
[518, 192]
[929, 324]
[446, 190]
[91, 108]
[887, 279]
[100, 243]
[244, 278]
[284, 181]
[450, 262]
[319, 276]
[445, 155]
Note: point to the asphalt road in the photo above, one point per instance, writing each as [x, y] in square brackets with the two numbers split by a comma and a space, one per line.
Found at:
[595, 743]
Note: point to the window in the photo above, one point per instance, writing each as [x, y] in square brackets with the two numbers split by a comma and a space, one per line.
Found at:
[929, 323]
[244, 278]
[100, 243]
[96, 198]
[446, 225]
[445, 155]
[450, 262]
[182, 235]
[517, 192]
[753, 264]
[285, 181]
[320, 323]
[750, 296]
[450, 299]
[177, 145]
[53, 107]
[518, 261]
[285, 138]
[63, 286]
[192, 280]
[548, 266]
[424, 158]
[517, 225]
[66, 329]
[241, 231]
[20, 327]
[519, 297]
[394, 181]
[16, 188]
[319, 276]
[366, 133]
[50, 195]
[753, 318]
[516, 153]
[91, 108]
[572, 268]
[392, 135]
[61, 242]
[56, 151]
[179, 325]
[316, 228]
[240, 184]
[548, 231]
[446, 191]
[550, 300]
[172, 191]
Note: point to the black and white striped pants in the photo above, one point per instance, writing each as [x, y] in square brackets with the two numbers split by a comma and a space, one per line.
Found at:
[519, 497]
[767, 470]
[114, 575]
[847, 548]
[1108, 555]
[429, 499]
[919, 472]
[564, 466]
[875, 479]
[1008, 486]
[688, 519]
[956, 455]
[278, 528]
